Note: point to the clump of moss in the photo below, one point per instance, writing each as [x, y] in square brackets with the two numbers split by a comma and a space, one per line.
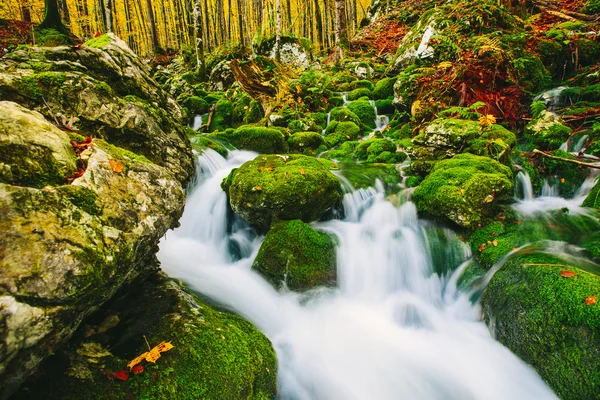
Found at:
[364, 111]
[296, 255]
[384, 89]
[282, 187]
[358, 93]
[342, 114]
[377, 151]
[254, 138]
[465, 189]
[222, 116]
[303, 141]
[340, 132]
[566, 176]
[99, 42]
[196, 105]
[593, 199]
[543, 318]
[199, 143]
[385, 106]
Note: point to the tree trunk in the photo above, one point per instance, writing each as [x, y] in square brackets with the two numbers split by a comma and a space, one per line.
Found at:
[241, 23]
[52, 18]
[108, 15]
[319, 23]
[277, 28]
[341, 34]
[25, 13]
[199, 42]
[152, 22]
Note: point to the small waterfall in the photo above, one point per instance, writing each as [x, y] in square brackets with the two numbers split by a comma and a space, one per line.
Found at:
[395, 328]
[197, 122]
[551, 97]
[524, 182]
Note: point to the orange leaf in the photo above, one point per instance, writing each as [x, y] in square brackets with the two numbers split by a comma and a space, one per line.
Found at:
[269, 169]
[495, 243]
[116, 166]
[302, 171]
[590, 301]
[257, 188]
[482, 247]
[137, 360]
[567, 274]
[152, 355]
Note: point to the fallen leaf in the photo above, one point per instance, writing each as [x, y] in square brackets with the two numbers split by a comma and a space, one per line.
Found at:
[121, 375]
[269, 169]
[137, 360]
[562, 180]
[482, 247]
[138, 369]
[116, 166]
[152, 355]
[590, 301]
[495, 243]
[257, 188]
[567, 274]
[302, 171]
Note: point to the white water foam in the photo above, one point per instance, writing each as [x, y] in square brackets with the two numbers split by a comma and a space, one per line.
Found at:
[394, 329]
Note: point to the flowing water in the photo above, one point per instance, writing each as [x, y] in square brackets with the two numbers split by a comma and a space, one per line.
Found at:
[393, 329]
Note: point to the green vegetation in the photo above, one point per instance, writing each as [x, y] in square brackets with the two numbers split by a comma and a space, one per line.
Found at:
[295, 255]
[254, 138]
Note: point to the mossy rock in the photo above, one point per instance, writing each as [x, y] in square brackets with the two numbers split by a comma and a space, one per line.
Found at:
[216, 355]
[222, 116]
[340, 132]
[358, 93]
[342, 114]
[465, 189]
[376, 150]
[303, 141]
[548, 131]
[255, 138]
[273, 187]
[384, 89]
[566, 176]
[385, 106]
[344, 152]
[363, 84]
[200, 143]
[364, 111]
[196, 105]
[543, 318]
[33, 152]
[296, 256]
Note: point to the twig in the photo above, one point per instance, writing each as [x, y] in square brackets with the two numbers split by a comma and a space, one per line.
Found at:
[51, 113]
[596, 166]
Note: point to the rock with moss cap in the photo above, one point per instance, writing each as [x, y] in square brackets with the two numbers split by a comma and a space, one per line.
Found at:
[107, 92]
[295, 255]
[255, 138]
[548, 131]
[340, 132]
[67, 248]
[303, 141]
[273, 187]
[543, 318]
[465, 189]
[216, 355]
[364, 111]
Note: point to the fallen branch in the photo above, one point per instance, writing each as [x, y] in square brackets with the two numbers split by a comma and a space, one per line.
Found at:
[583, 164]
[208, 122]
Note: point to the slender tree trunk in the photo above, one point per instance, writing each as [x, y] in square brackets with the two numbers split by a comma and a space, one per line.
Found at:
[277, 28]
[289, 17]
[129, 31]
[240, 10]
[341, 35]
[152, 22]
[319, 23]
[108, 15]
[25, 12]
[52, 19]
[199, 42]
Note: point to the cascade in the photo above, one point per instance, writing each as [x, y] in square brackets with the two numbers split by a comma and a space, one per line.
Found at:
[396, 327]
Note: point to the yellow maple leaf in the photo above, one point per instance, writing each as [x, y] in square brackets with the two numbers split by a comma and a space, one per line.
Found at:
[152, 355]
[487, 120]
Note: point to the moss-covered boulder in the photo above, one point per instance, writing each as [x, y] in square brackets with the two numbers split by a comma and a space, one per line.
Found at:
[340, 132]
[465, 189]
[543, 318]
[343, 114]
[303, 141]
[222, 116]
[103, 92]
[70, 241]
[33, 152]
[255, 138]
[565, 176]
[358, 93]
[274, 187]
[195, 105]
[296, 256]
[364, 111]
[216, 355]
[384, 89]
[377, 151]
[548, 131]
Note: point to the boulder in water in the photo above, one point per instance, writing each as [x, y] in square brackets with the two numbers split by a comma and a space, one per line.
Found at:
[340, 132]
[465, 189]
[216, 355]
[296, 255]
[273, 187]
[365, 112]
[543, 318]
[254, 138]
[303, 141]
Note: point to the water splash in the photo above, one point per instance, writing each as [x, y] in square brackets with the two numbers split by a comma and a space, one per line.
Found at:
[394, 329]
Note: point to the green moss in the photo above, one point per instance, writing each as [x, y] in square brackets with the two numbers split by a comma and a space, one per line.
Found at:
[593, 199]
[543, 318]
[371, 150]
[104, 88]
[342, 114]
[345, 152]
[465, 189]
[365, 175]
[52, 38]
[358, 93]
[40, 84]
[33, 166]
[591, 7]
[255, 138]
[296, 255]
[99, 42]
[216, 355]
[274, 187]
[199, 143]
[222, 116]
[83, 198]
[363, 84]
[121, 153]
[364, 111]
[566, 176]
[385, 106]
[196, 105]
[340, 132]
[384, 89]
[302, 141]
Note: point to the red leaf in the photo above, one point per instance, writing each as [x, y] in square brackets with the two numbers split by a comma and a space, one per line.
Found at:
[590, 301]
[121, 375]
[138, 369]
